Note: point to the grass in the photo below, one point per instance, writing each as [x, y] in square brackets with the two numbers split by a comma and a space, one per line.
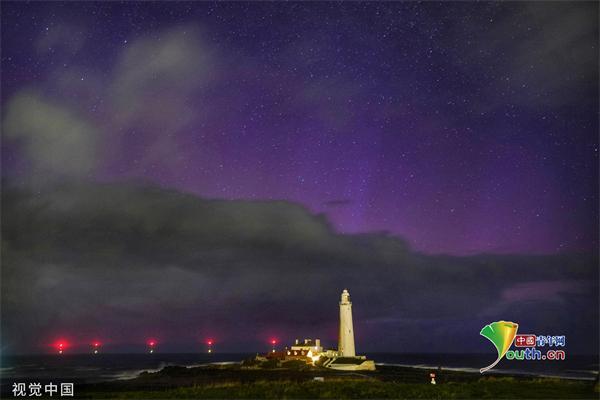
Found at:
[483, 388]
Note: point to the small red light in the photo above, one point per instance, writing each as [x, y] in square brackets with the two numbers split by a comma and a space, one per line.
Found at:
[151, 342]
[96, 344]
[273, 341]
[61, 345]
[210, 342]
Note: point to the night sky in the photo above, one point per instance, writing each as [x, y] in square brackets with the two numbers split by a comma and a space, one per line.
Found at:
[440, 143]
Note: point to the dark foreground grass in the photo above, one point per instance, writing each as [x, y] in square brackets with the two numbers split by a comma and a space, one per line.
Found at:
[483, 388]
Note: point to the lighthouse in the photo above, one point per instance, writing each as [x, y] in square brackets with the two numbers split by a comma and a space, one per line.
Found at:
[343, 359]
[346, 338]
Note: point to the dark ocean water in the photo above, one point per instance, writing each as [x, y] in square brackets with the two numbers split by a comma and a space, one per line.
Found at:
[574, 366]
[102, 367]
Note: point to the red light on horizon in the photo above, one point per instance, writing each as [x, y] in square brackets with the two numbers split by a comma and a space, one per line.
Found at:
[151, 343]
[96, 344]
[60, 345]
[209, 342]
[273, 341]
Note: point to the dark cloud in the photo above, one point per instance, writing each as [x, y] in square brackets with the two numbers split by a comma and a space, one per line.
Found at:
[338, 203]
[127, 261]
[533, 45]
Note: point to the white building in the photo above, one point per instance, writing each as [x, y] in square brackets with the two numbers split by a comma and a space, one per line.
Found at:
[308, 345]
[346, 336]
[345, 358]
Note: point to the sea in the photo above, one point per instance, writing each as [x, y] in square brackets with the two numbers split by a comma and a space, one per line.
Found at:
[90, 368]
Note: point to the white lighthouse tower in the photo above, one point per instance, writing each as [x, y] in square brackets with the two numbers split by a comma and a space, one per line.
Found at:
[346, 338]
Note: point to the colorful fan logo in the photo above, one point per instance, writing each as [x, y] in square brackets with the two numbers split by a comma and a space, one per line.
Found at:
[501, 334]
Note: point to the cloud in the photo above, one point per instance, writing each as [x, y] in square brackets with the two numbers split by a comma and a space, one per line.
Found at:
[57, 140]
[63, 124]
[543, 54]
[563, 36]
[543, 290]
[337, 203]
[159, 71]
[154, 85]
[126, 260]
[63, 37]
